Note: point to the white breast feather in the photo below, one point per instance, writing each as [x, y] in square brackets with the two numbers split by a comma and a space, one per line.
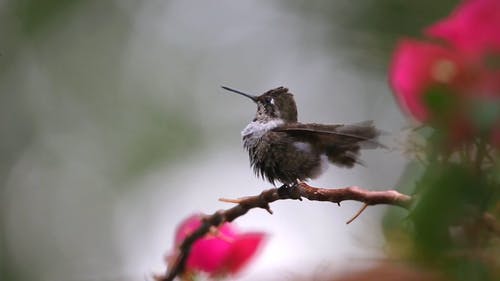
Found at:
[255, 130]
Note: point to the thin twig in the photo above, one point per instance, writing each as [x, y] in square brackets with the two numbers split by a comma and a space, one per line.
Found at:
[357, 214]
[302, 190]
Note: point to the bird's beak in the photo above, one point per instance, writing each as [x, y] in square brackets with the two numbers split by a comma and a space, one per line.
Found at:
[254, 98]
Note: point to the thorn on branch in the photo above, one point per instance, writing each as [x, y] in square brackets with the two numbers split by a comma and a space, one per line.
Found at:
[268, 209]
[357, 214]
[265, 204]
[227, 200]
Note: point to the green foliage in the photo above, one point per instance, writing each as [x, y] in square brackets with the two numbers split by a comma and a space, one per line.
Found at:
[484, 114]
[36, 14]
[440, 101]
[445, 227]
[448, 193]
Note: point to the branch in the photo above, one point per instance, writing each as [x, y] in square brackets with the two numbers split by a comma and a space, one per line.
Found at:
[301, 190]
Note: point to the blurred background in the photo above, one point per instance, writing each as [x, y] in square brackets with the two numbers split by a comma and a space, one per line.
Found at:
[114, 127]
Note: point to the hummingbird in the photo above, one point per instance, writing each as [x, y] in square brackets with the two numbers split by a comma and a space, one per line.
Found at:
[282, 149]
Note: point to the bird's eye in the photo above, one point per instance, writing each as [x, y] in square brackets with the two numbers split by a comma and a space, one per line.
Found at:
[269, 100]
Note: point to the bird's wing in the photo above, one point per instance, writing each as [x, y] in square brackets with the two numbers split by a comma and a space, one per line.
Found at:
[363, 133]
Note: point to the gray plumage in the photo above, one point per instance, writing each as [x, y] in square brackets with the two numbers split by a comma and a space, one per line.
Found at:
[282, 149]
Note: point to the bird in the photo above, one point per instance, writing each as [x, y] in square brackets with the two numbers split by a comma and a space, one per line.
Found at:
[281, 149]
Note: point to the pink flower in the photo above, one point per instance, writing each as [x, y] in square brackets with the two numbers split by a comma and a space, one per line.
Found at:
[473, 27]
[440, 82]
[418, 66]
[224, 251]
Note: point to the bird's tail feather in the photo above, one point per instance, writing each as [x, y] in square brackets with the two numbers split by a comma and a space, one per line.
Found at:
[362, 135]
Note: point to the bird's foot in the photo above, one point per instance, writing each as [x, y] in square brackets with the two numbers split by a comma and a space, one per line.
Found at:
[283, 190]
[290, 191]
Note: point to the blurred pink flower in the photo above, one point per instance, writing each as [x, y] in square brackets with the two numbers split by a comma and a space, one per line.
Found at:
[416, 67]
[473, 27]
[460, 68]
[224, 251]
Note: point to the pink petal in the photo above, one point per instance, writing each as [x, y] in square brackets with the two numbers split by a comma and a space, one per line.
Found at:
[242, 250]
[228, 230]
[187, 227]
[473, 27]
[220, 252]
[416, 66]
[208, 254]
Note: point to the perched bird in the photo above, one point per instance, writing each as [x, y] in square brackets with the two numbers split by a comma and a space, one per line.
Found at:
[282, 149]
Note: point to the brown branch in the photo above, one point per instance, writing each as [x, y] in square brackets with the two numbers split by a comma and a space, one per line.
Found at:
[301, 190]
